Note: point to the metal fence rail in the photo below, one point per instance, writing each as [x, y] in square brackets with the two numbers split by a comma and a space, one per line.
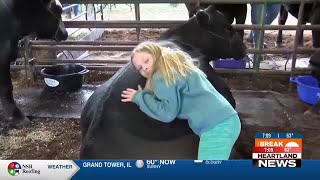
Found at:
[129, 45]
[170, 24]
[182, 1]
[130, 48]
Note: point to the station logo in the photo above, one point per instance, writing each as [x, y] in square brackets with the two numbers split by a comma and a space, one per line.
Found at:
[14, 169]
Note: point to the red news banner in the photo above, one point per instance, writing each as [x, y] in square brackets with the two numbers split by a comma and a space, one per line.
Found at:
[277, 152]
[278, 142]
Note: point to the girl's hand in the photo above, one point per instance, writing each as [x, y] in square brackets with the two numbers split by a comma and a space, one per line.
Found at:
[128, 94]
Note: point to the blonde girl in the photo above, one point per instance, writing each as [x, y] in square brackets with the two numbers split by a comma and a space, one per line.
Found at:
[176, 88]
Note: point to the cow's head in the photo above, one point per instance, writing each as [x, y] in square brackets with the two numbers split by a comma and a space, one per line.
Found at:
[42, 17]
[211, 33]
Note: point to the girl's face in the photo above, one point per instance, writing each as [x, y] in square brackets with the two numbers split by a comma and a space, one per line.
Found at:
[143, 62]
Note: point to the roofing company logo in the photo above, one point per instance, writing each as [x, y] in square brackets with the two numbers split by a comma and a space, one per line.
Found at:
[14, 169]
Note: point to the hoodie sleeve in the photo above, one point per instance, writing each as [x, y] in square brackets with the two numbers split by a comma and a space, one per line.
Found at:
[164, 105]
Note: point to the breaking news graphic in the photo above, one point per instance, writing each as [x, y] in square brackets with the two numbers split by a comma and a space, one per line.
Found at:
[277, 150]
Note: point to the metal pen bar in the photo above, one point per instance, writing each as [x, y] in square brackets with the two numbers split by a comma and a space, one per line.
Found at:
[122, 24]
[94, 43]
[114, 69]
[83, 48]
[178, 1]
[262, 18]
[297, 37]
[39, 67]
[169, 24]
[102, 61]
[130, 48]
[69, 7]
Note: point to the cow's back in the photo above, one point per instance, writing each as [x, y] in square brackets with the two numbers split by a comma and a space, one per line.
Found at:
[293, 9]
[114, 129]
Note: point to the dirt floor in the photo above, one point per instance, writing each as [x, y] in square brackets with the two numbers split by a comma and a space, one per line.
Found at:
[60, 138]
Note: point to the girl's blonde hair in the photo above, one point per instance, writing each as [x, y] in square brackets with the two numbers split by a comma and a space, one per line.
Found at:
[168, 62]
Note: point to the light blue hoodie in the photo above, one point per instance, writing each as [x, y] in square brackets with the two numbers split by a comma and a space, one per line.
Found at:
[193, 99]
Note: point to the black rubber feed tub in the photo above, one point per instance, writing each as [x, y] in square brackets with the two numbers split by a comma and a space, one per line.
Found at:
[61, 78]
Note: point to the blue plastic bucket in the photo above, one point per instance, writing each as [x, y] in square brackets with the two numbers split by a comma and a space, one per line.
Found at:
[308, 88]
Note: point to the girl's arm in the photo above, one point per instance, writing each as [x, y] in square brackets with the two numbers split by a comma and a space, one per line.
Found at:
[164, 105]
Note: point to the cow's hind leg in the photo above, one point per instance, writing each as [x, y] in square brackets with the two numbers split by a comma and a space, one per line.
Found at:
[315, 20]
[283, 16]
[300, 40]
[6, 97]
[241, 16]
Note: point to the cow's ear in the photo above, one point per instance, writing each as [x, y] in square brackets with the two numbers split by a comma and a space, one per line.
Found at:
[203, 17]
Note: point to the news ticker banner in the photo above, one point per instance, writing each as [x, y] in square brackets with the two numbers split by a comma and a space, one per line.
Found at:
[277, 150]
[156, 169]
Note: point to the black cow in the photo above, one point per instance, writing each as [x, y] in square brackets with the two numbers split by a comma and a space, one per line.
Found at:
[311, 15]
[230, 11]
[19, 18]
[112, 129]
